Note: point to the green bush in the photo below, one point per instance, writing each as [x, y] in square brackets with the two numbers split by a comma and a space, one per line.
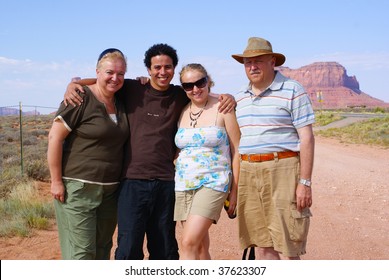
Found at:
[323, 118]
[24, 210]
[379, 110]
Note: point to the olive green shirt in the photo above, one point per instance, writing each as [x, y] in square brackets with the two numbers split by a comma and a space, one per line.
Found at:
[93, 151]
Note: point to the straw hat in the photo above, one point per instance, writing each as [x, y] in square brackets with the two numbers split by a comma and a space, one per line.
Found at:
[257, 47]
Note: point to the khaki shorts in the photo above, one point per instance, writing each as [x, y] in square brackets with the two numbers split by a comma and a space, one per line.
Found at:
[203, 201]
[267, 212]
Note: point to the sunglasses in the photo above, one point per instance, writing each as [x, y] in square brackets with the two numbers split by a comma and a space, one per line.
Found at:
[107, 51]
[199, 84]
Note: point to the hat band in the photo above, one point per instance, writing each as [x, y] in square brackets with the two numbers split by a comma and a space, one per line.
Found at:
[251, 52]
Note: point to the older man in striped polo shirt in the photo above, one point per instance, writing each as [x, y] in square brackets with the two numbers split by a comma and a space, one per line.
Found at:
[275, 117]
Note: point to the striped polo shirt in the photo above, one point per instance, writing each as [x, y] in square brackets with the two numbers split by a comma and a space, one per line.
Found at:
[269, 121]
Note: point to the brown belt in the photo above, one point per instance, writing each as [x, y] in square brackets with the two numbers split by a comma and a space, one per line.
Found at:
[267, 157]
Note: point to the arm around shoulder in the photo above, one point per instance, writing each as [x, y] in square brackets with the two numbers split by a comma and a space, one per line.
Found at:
[72, 93]
[227, 102]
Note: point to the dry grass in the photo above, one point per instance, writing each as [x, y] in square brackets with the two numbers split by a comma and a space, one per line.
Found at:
[22, 162]
[373, 131]
[24, 210]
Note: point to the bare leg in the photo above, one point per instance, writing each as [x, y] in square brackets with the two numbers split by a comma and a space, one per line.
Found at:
[268, 253]
[289, 258]
[204, 248]
[194, 236]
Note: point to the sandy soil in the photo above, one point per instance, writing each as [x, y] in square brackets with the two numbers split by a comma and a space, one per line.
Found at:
[350, 212]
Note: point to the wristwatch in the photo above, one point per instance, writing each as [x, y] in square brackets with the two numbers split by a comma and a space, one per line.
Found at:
[305, 182]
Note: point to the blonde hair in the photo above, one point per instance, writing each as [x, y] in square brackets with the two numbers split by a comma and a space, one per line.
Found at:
[196, 67]
[116, 54]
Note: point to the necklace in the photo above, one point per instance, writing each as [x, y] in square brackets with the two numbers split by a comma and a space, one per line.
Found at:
[195, 116]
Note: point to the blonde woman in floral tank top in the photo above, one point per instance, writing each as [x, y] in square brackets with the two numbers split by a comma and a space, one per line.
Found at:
[207, 165]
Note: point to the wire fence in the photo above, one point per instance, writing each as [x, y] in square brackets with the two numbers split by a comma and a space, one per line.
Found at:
[8, 110]
[23, 138]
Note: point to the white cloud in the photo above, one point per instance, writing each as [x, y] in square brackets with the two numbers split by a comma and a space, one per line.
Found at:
[35, 82]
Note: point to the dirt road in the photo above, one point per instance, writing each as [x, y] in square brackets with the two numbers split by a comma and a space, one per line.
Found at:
[350, 211]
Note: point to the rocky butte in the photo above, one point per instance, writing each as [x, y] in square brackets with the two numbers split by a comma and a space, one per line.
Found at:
[329, 82]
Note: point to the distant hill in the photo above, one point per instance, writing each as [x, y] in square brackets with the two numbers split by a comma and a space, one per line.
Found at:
[6, 111]
[338, 90]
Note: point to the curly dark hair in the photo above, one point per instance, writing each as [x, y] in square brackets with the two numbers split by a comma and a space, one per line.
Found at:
[160, 49]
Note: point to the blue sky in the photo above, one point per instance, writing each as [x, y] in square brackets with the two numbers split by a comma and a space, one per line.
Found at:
[45, 43]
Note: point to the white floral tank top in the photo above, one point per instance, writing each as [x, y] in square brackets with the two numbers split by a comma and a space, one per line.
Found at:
[204, 159]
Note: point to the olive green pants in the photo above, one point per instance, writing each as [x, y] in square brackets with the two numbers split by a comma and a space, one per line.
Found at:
[86, 220]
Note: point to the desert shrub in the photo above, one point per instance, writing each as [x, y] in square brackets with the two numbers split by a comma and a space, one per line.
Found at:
[7, 151]
[374, 131]
[323, 118]
[39, 155]
[37, 214]
[10, 177]
[39, 132]
[7, 185]
[13, 160]
[379, 110]
[38, 170]
[24, 210]
[32, 140]
[13, 227]
[38, 150]
[38, 222]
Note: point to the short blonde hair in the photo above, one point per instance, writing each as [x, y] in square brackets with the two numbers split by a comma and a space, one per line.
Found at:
[111, 54]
